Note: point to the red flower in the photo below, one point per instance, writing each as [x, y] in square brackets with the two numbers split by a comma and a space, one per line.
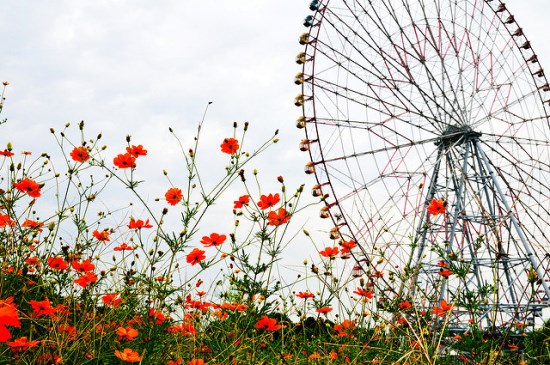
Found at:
[243, 200]
[195, 256]
[442, 263]
[123, 247]
[128, 355]
[102, 236]
[404, 305]
[347, 246]
[230, 146]
[269, 324]
[345, 328]
[157, 315]
[42, 308]
[58, 263]
[139, 224]
[305, 295]
[80, 154]
[437, 206]
[175, 362]
[8, 317]
[173, 196]
[443, 308]
[197, 362]
[28, 186]
[127, 333]
[363, 293]
[6, 153]
[85, 279]
[214, 240]
[125, 161]
[28, 223]
[136, 151]
[268, 201]
[278, 218]
[112, 300]
[84, 266]
[21, 344]
[32, 261]
[323, 310]
[445, 273]
[5, 220]
[329, 252]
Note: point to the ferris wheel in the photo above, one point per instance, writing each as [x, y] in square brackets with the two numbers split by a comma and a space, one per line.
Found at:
[410, 102]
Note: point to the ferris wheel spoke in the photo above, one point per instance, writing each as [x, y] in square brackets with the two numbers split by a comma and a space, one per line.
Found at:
[391, 83]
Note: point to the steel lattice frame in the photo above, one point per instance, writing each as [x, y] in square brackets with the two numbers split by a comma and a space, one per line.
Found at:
[405, 101]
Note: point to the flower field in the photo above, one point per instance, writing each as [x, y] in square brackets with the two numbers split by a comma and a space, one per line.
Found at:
[86, 279]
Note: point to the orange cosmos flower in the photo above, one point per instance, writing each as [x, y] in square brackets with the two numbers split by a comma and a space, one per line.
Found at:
[42, 308]
[329, 252]
[157, 315]
[21, 344]
[128, 355]
[230, 146]
[139, 224]
[305, 295]
[5, 220]
[85, 279]
[173, 196]
[32, 261]
[437, 206]
[195, 256]
[136, 151]
[8, 317]
[323, 310]
[102, 236]
[445, 273]
[404, 305]
[111, 300]
[197, 362]
[269, 324]
[443, 308]
[28, 186]
[214, 240]
[127, 333]
[123, 247]
[345, 328]
[268, 201]
[243, 200]
[278, 218]
[347, 246]
[125, 161]
[57, 263]
[363, 293]
[80, 154]
[175, 362]
[84, 266]
[29, 223]
[442, 263]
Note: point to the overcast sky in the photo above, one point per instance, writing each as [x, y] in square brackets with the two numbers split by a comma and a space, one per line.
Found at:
[138, 67]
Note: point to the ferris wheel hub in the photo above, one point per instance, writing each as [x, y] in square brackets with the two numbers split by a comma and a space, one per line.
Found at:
[457, 135]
